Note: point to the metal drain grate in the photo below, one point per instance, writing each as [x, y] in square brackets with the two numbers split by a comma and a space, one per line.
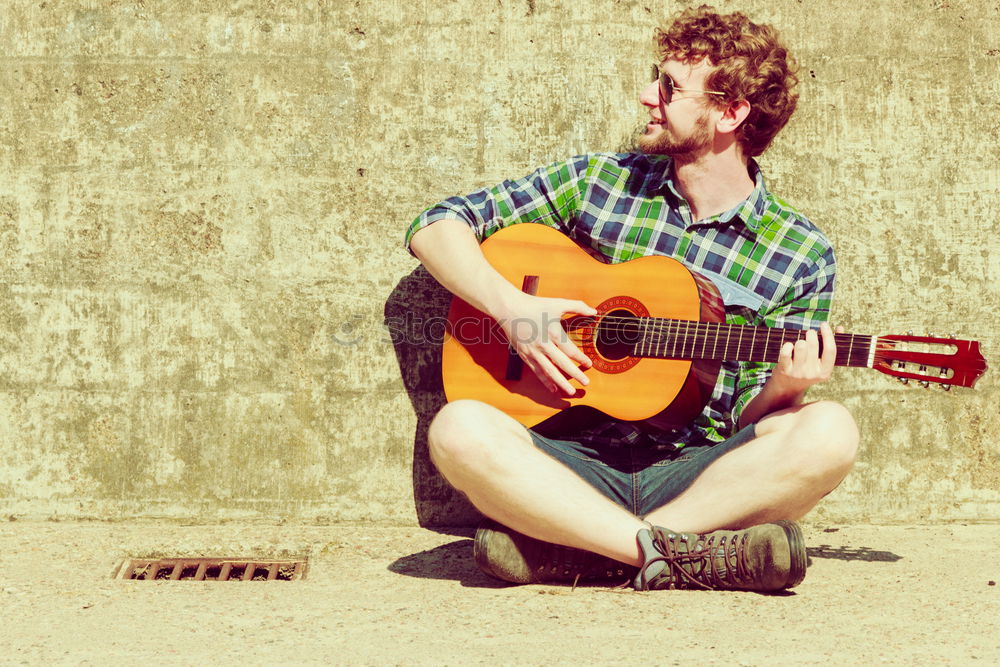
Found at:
[211, 569]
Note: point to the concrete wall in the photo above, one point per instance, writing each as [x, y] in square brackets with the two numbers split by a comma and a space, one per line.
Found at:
[203, 203]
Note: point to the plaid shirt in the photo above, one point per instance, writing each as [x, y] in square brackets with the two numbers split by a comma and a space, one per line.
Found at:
[772, 266]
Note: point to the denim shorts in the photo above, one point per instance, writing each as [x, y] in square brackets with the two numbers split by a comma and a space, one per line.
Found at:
[640, 479]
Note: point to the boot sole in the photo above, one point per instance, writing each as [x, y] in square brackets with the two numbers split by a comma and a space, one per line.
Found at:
[480, 554]
[797, 553]
[483, 534]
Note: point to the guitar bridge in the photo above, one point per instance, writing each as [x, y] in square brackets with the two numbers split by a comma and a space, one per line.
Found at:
[515, 364]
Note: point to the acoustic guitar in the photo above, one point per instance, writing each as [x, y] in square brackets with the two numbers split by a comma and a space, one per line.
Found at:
[657, 342]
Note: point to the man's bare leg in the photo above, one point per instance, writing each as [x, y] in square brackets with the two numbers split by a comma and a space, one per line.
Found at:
[798, 456]
[491, 459]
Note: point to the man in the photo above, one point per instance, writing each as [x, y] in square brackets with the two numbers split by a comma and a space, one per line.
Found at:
[711, 505]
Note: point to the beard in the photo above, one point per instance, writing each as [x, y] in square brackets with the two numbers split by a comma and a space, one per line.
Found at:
[679, 149]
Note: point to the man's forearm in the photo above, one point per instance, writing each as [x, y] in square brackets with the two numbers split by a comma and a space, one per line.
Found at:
[770, 399]
[450, 252]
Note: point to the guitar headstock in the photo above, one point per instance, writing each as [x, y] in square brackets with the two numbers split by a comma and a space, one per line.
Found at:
[945, 361]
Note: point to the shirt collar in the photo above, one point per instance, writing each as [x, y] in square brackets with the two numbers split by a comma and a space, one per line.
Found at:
[749, 211]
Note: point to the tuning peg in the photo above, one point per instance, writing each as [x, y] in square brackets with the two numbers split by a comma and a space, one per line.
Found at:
[930, 335]
[925, 384]
[909, 333]
[905, 380]
[947, 387]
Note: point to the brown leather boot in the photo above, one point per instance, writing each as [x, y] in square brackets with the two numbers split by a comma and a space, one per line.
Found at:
[769, 557]
[510, 556]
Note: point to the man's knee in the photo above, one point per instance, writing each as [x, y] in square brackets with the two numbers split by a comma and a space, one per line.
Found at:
[821, 440]
[834, 426]
[465, 431]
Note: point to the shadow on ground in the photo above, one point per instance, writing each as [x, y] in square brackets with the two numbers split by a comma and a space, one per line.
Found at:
[452, 561]
[852, 553]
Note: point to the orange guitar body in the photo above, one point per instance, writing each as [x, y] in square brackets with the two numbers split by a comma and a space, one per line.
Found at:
[669, 393]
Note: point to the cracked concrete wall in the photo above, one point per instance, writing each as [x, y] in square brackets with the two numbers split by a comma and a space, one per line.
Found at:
[206, 309]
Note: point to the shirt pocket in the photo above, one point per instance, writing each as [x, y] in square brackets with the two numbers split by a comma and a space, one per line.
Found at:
[743, 305]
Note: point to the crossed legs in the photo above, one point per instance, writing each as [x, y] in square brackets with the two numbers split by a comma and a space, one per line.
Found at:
[797, 457]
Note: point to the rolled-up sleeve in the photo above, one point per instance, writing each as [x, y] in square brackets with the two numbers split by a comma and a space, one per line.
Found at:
[548, 195]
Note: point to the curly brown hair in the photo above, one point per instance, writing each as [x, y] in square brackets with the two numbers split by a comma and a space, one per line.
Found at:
[750, 63]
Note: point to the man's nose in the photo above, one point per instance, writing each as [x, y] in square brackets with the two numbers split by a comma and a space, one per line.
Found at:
[650, 95]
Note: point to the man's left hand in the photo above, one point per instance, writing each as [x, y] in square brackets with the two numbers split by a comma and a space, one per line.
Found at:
[800, 364]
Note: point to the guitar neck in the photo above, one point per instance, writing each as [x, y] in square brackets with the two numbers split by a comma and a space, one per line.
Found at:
[683, 339]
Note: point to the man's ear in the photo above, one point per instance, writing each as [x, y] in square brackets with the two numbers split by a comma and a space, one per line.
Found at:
[732, 117]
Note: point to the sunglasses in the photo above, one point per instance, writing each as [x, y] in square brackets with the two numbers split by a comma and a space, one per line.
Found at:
[667, 86]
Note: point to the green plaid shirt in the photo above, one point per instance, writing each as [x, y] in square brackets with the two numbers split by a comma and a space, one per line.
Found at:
[772, 266]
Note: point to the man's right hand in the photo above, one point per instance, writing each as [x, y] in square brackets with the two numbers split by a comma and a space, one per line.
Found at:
[533, 326]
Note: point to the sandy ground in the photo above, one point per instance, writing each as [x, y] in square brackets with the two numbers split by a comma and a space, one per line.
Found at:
[388, 595]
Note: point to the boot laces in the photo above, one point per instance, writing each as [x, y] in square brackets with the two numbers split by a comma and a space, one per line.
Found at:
[716, 561]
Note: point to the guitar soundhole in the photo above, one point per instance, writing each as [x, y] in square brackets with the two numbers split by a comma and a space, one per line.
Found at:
[617, 335]
[611, 344]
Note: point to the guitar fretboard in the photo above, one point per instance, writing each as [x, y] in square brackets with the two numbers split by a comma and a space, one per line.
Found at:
[684, 339]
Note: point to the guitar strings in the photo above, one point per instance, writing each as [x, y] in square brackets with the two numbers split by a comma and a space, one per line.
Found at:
[659, 324]
[690, 329]
[757, 353]
[653, 334]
